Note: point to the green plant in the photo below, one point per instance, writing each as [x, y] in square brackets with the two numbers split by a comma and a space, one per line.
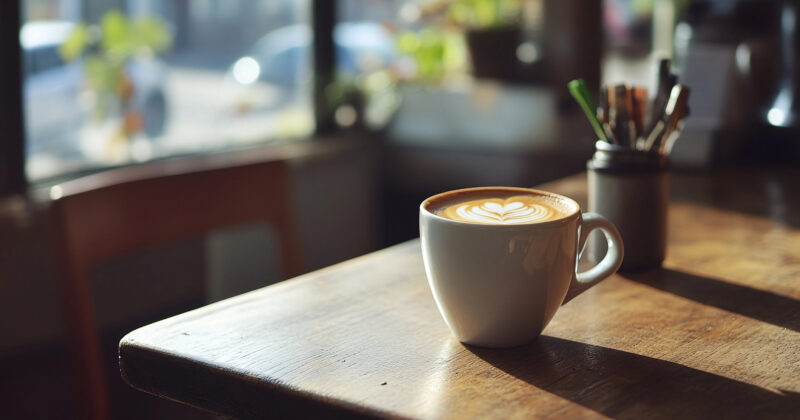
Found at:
[371, 98]
[436, 53]
[107, 48]
[484, 14]
[439, 49]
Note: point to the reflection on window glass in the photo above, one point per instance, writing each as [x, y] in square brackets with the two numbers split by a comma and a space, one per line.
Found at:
[110, 82]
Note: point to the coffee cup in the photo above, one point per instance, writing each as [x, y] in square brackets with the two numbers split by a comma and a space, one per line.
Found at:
[501, 260]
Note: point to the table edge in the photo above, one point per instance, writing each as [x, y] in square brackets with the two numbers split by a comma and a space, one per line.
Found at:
[136, 359]
[273, 398]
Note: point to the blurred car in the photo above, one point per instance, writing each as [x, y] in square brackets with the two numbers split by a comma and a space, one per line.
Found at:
[52, 90]
[281, 59]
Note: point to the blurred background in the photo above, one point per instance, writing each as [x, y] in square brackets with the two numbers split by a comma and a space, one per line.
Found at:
[389, 100]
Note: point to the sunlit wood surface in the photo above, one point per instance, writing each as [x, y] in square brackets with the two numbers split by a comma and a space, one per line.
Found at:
[714, 334]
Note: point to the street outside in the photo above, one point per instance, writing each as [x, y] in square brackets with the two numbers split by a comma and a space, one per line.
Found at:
[206, 111]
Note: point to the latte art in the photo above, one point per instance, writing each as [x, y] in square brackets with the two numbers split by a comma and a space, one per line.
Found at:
[494, 212]
[503, 211]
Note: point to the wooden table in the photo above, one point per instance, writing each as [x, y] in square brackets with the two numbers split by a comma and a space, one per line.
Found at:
[716, 333]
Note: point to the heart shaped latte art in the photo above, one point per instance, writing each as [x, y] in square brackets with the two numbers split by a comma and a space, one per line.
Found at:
[496, 211]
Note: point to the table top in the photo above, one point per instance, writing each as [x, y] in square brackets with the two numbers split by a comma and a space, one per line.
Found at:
[716, 332]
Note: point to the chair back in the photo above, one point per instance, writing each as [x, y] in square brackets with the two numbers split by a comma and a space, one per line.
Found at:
[107, 215]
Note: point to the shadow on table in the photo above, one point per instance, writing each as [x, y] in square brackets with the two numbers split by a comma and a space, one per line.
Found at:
[626, 385]
[758, 304]
[757, 191]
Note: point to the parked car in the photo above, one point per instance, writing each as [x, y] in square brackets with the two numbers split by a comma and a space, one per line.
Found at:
[282, 58]
[52, 90]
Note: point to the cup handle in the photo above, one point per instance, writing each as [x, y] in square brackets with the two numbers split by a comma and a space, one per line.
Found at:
[582, 281]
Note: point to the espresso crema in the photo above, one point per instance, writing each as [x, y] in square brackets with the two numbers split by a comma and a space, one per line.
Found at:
[501, 207]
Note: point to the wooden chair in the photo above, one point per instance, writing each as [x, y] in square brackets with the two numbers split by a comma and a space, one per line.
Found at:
[121, 211]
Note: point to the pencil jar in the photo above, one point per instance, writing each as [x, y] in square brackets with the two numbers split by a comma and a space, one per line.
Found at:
[631, 188]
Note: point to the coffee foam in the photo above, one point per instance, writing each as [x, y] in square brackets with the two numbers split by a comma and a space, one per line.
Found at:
[500, 206]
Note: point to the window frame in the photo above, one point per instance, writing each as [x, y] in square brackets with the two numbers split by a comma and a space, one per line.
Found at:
[12, 123]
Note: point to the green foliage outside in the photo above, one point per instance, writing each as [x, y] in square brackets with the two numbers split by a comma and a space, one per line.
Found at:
[436, 52]
[107, 47]
[484, 14]
[439, 49]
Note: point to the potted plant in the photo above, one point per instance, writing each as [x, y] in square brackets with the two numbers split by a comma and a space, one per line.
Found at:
[437, 54]
[492, 33]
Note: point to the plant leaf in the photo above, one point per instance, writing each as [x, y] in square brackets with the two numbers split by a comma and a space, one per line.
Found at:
[117, 40]
[75, 43]
[152, 33]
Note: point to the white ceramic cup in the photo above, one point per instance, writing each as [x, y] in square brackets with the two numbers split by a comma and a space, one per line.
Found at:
[499, 285]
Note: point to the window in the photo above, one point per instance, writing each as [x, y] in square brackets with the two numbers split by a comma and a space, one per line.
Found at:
[114, 82]
[42, 59]
[457, 74]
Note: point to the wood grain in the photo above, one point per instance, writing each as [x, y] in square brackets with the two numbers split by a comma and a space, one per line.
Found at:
[715, 333]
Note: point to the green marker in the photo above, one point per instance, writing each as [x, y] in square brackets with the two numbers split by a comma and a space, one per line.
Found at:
[581, 94]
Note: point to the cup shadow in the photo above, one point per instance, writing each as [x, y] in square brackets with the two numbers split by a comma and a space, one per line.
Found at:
[626, 385]
[757, 304]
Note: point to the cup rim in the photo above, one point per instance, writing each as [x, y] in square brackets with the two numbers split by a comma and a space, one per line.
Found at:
[565, 219]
